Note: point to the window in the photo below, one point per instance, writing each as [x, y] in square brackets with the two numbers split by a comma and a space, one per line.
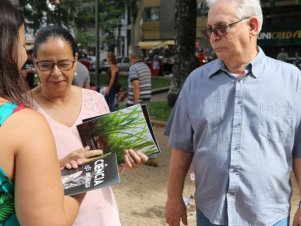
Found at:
[152, 14]
[202, 10]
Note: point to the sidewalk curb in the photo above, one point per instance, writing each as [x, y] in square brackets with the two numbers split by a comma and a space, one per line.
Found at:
[158, 123]
[160, 90]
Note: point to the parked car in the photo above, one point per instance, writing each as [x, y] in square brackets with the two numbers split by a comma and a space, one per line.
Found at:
[104, 66]
[86, 62]
[123, 63]
[92, 60]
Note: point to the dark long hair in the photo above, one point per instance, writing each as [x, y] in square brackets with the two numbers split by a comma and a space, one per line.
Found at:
[53, 31]
[12, 85]
[112, 57]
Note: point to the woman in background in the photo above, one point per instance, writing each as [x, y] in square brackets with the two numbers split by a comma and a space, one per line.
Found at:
[113, 86]
[65, 106]
[31, 191]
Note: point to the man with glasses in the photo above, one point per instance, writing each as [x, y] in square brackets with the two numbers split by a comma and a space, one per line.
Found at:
[238, 121]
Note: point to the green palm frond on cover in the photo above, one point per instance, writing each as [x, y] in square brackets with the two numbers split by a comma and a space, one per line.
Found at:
[7, 207]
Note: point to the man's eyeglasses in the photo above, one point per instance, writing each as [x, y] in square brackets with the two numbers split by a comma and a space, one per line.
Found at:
[221, 30]
[47, 65]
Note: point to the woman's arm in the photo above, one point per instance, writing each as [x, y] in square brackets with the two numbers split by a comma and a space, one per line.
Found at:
[39, 196]
[114, 70]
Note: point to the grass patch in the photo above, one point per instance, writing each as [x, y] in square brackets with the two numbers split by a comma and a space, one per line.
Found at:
[157, 82]
[160, 110]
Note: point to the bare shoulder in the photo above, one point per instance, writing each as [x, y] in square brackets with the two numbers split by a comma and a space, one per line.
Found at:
[115, 67]
[26, 124]
[26, 118]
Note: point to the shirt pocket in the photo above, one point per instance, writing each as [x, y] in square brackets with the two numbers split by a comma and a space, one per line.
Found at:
[275, 123]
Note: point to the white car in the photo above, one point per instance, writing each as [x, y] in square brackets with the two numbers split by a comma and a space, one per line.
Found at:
[123, 63]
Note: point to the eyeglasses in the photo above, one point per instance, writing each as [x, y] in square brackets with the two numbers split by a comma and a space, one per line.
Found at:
[221, 30]
[47, 65]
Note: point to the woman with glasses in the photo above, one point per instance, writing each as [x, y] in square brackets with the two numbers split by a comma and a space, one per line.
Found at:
[65, 106]
[31, 191]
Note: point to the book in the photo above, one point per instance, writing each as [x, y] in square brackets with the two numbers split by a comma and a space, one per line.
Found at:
[99, 172]
[128, 128]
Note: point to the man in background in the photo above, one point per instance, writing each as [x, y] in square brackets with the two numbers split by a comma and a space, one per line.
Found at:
[140, 87]
[82, 76]
[139, 81]
[283, 55]
[28, 69]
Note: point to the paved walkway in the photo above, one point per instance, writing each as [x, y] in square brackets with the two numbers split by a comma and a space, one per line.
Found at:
[159, 96]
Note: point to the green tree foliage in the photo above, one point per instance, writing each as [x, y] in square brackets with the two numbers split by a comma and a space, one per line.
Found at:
[80, 15]
[34, 12]
[110, 14]
[63, 13]
[38, 12]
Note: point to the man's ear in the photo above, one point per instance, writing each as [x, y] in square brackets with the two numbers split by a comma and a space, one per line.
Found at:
[254, 25]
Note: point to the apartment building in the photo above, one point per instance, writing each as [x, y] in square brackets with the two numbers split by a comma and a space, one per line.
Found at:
[158, 20]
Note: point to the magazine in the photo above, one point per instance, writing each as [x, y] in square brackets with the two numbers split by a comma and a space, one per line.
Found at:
[99, 172]
[128, 128]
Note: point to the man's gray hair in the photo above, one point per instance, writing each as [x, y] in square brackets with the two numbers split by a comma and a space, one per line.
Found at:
[245, 8]
[136, 52]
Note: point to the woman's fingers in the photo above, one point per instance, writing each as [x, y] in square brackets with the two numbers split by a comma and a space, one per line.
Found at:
[92, 153]
[80, 156]
[134, 159]
[134, 156]
[128, 159]
[143, 157]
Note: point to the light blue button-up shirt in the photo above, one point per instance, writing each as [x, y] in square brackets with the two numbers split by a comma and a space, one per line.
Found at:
[244, 133]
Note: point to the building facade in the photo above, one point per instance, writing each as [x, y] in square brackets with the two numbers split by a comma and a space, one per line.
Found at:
[281, 27]
[159, 17]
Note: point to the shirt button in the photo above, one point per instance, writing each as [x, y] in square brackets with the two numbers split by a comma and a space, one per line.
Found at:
[234, 170]
[232, 194]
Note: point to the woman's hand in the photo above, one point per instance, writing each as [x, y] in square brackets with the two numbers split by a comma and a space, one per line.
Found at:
[78, 157]
[132, 160]
[107, 91]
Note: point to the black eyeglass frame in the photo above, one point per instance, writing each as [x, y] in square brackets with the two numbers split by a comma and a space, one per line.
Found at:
[221, 30]
[55, 63]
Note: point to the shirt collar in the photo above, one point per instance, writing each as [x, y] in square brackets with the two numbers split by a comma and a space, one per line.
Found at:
[257, 64]
[255, 67]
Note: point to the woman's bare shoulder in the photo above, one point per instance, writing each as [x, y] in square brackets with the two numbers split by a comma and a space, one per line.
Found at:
[26, 120]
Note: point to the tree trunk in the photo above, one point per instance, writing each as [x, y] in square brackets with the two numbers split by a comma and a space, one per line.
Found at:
[137, 8]
[185, 37]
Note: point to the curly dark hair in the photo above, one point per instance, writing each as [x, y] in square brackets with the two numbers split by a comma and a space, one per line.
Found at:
[12, 85]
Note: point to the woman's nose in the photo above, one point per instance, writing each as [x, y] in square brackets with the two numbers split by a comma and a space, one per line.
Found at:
[56, 70]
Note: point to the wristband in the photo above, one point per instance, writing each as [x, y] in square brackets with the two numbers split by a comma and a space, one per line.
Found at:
[300, 204]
